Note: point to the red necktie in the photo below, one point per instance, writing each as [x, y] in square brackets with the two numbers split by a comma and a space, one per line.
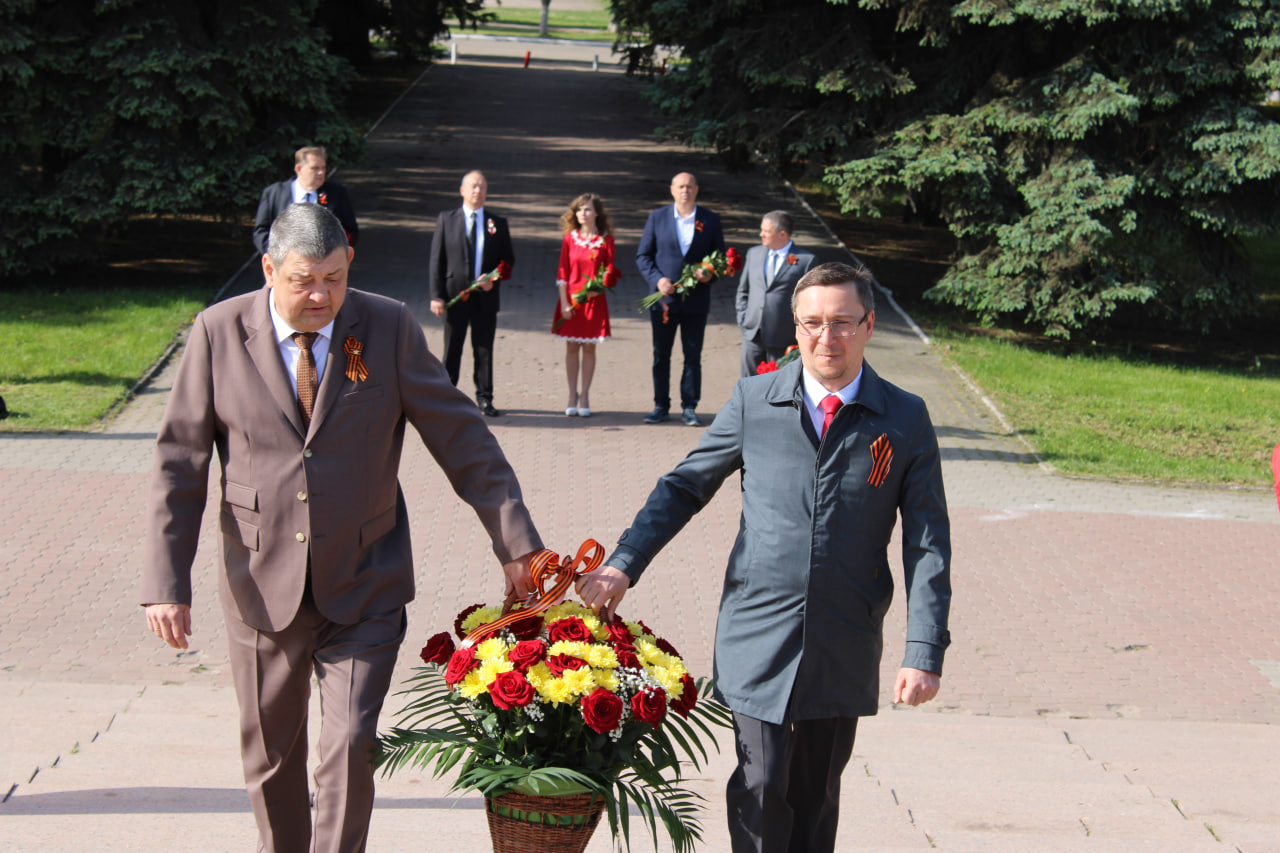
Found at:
[830, 405]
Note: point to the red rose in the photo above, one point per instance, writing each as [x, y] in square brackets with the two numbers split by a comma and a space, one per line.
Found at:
[734, 259]
[619, 632]
[571, 629]
[602, 710]
[527, 653]
[650, 706]
[462, 662]
[504, 270]
[511, 690]
[612, 276]
[626, 656]
[766, 367]
[462, 617]
[665, 646]
[688, 696]
[438, 649]
[559, 663]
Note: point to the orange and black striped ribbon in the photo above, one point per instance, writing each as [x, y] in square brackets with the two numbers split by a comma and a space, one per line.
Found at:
[547, 566]
[881, 459]
[356, 371]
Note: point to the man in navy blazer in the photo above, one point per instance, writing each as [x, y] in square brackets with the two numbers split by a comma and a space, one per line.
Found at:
[468, 242]
[679, 234]
[309, 166]
[829, 455]
[763, 303]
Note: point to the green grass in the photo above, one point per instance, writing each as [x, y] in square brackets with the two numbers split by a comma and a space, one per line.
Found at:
[1112, 417]
[573, 24]
[66, 357]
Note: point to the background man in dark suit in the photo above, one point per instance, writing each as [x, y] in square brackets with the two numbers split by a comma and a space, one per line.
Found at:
[304, 387]
[309, 166]
[764, 292]
[829, 455]
[470, 241]
[682, 233]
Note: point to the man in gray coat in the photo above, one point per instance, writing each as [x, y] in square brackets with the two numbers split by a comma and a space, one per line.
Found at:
[829, 455]
[763, 301]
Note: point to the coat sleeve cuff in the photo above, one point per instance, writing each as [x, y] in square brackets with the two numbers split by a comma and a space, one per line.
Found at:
[629, 561]
[923, 656]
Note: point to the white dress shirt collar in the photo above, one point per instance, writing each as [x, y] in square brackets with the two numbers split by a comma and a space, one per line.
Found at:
[289, 348]
[815, 391]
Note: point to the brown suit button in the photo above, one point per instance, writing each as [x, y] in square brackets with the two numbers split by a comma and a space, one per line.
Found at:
[302, 537]
[302, 496]
[307, 452]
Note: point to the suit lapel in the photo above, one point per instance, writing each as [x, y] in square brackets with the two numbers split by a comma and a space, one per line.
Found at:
[264, 349]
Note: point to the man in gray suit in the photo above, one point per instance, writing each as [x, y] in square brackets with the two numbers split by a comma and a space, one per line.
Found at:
[764, 292]
[304, 388]
[829, 455]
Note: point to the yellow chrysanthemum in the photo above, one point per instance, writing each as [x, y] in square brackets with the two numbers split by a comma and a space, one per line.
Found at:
[668, 680]
[557, 691]
[472, 685]
[480, 617]
[572, 648]
[580, 682]
[601, 657]
[489, 669]
[492, 649]
[538, 675]
[607, 679]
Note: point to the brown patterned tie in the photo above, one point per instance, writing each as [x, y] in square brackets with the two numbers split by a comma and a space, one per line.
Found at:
[307, 381]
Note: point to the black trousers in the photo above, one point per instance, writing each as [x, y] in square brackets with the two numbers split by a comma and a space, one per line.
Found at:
[692, 330]
[483, 321]
[784, 797]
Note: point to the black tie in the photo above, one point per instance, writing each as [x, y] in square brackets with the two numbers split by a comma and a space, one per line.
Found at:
[472, 254]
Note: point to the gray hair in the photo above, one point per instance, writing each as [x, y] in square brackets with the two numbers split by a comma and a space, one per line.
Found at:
[781, 220]
[826, 275]
[310, 230]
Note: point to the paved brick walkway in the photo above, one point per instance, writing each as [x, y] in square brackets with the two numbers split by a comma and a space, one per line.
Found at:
[1115, 678]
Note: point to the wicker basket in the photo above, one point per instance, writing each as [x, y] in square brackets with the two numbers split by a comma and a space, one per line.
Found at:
[522, 823]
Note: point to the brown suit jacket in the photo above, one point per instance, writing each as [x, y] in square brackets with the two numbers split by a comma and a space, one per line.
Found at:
[330, 491]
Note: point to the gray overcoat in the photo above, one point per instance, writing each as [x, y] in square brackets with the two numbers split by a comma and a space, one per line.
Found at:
[808, 582]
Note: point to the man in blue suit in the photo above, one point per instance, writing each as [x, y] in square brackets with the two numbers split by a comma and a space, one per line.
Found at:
[829, 455]
[679, 234]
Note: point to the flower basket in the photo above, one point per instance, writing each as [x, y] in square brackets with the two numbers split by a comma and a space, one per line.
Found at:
[555, 715]
[525, 823]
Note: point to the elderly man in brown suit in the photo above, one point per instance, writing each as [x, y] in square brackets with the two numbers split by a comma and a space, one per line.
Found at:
[304, 388]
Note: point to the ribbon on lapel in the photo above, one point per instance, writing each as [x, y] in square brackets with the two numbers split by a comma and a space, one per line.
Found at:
[546, 566]
[881, 459]
[356, 371]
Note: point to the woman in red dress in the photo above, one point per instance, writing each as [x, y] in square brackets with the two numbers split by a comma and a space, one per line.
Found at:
[586, 252]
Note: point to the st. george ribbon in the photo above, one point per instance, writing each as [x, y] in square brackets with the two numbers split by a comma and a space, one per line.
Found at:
[546, 566]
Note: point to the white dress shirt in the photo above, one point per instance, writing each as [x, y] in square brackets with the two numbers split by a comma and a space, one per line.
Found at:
[684, 228]
[291, 352]
[300, 195]
[814, 392]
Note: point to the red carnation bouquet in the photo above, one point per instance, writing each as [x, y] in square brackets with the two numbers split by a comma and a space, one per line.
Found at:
[792, 353]
[500, 273]
[560, 702]
[606, 277]
[713, 265]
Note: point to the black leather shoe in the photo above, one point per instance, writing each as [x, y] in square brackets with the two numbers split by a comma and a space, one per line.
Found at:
[690, 418]
[489, 411]
[657, 416]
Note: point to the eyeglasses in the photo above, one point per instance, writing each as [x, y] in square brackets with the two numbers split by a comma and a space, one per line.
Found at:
[839, 328]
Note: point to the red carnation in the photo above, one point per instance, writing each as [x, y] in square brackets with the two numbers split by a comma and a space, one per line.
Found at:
[766, 367]
[619, 632]
[559, 663]
[734, 259]
[527, 653]
[666, 647]
[457, 623]
[612, 276]
[626, 656]
[645, 629]
[504, 270]
[438, 649]
[570, 629]
[602, 710]
[511, 690]
[462, 662]
[688, 696]
[527, 629]
[650, 706]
